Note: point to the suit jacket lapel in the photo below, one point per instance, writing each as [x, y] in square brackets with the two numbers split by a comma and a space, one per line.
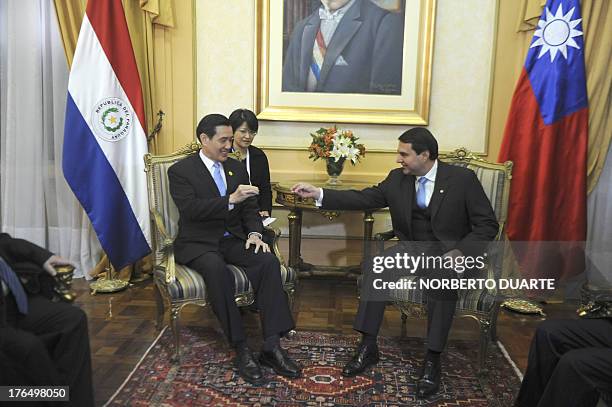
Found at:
[308, 38]
[407, 189]
[348, 26]
[206, 178]
[440, 188]
[230, 175]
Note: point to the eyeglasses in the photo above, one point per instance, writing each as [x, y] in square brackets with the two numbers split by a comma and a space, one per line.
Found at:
[248, 131]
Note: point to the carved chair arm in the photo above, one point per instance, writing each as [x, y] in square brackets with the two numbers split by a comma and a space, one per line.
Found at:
[166, 247]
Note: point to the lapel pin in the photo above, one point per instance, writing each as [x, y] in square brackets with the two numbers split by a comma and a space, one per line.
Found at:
[231, 173]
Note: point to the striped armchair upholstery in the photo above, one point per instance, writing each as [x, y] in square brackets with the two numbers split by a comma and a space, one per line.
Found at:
[481, 305]
[178, 285]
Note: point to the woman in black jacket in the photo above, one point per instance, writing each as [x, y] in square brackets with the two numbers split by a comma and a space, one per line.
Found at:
[244, 125]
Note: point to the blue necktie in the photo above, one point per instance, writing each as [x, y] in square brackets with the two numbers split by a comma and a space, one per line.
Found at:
[220, 183]
[421, 196]
[219, 179]
[12, 281]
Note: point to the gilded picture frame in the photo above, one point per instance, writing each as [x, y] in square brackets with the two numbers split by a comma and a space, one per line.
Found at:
[276, 100]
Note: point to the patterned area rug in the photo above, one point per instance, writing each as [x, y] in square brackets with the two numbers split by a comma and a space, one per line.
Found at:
[206, 376]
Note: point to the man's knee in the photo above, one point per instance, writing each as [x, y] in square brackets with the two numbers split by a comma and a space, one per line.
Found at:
[271, 261]
[580, 361]
[549, 329]
[270, 265]
[23, 345]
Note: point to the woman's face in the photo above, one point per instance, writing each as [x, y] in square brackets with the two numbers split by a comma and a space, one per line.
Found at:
[243, 136]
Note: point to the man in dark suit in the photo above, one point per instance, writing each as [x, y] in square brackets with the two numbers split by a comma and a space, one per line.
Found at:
[444, 211]
[570, 364]
[42, 343]
[219, 223]
[346, 46]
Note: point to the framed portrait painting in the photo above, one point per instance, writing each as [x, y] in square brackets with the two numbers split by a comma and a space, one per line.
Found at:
[351, 61]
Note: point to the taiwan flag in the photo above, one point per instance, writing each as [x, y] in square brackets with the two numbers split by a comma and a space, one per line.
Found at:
[546, 137]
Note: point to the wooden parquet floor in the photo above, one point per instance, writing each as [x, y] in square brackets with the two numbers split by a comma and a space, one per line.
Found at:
[122, 325]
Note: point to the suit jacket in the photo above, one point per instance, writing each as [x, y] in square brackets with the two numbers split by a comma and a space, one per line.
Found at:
[461, 213]
[363, 56]
[26, 259]
[260, 177]
[204, 213]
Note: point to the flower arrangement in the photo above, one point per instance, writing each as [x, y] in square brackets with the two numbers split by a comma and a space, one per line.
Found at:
[335, 144]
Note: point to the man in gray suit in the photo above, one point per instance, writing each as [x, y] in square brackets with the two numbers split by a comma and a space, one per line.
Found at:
[346, 46]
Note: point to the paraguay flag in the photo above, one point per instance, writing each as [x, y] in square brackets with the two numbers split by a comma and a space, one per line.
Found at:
[546, 135]
[105, 134]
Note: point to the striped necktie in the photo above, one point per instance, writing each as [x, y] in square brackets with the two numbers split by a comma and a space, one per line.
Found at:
[12, 281]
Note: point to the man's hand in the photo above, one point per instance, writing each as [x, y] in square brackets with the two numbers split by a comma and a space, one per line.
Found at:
[259, 244]
[453, 254]
[264, 214]
[243, 192]
[56, 261]
[306, 190]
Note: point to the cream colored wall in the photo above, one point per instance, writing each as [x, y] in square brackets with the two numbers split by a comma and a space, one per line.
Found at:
[459, 113]
[175, 78]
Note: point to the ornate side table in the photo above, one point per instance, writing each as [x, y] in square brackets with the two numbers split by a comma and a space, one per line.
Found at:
[297, 205]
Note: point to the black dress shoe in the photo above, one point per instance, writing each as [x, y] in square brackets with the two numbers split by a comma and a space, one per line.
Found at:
[248, 368]
[366, 355]
[429, 383]
[280, 362]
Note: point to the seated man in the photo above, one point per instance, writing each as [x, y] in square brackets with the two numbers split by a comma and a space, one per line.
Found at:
[434, 205]
[42, 343]
[570, 364]
[219, 223]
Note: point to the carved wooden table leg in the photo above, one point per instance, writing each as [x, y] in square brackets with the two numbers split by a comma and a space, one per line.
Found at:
[295, 237]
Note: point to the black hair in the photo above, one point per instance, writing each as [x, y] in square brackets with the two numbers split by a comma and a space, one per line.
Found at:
[208, 125]
[240, 116]
[421, 140]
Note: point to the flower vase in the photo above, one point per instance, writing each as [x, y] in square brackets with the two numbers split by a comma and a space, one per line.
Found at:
[334, 169]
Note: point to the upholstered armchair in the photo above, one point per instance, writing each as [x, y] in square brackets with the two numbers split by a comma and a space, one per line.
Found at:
[178, 285]
[480, 305]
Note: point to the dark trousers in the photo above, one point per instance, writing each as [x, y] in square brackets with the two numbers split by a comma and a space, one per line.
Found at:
[570, 363]
[48, 346]
[262, 270]
[440, 303]
[440, 315]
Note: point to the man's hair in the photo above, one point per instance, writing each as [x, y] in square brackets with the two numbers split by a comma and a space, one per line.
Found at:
[240, 116]
[421, 140]
[208, 125]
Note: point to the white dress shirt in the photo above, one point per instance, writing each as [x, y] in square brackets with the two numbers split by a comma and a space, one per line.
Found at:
[209, 166]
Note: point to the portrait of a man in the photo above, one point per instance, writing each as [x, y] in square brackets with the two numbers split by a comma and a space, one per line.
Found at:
[343, 46]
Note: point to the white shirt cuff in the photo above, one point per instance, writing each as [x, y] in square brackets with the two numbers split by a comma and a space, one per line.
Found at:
[255, 233]
[319, 202]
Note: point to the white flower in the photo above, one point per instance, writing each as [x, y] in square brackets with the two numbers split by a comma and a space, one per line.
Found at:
[353, 154]
[335, 154]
